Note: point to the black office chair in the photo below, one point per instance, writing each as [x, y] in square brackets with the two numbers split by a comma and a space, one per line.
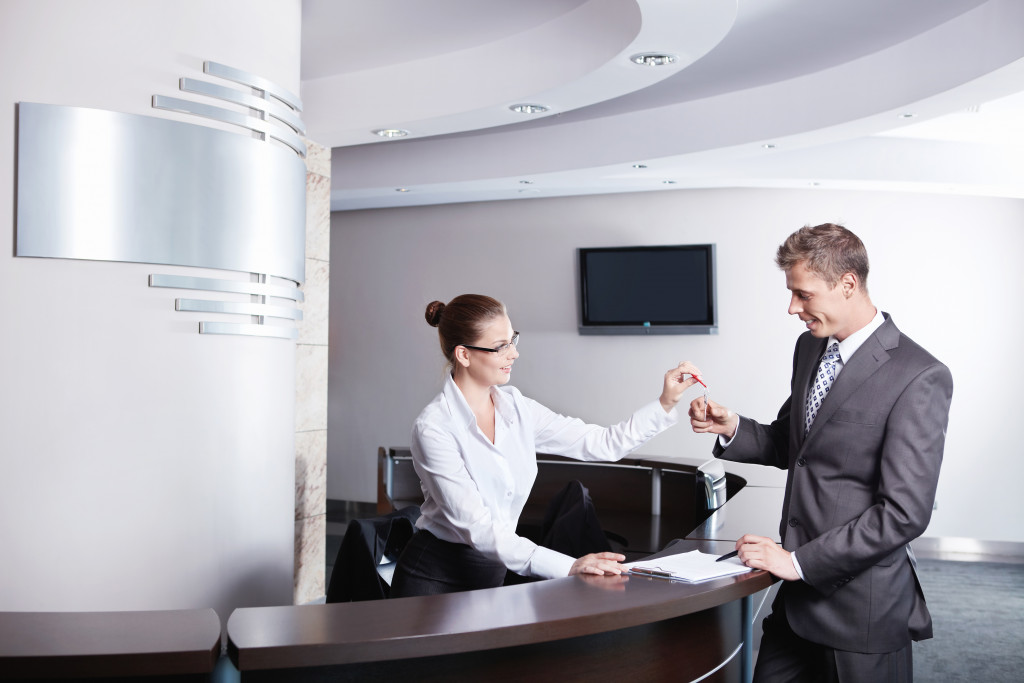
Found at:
[367, 555]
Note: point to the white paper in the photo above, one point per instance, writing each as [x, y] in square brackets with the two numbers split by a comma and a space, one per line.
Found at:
[693, 566]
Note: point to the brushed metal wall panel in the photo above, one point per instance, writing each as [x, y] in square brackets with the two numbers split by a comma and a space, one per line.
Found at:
[101, 185]
[216, 285]
[252, 80]
[280, 133]
[271, 107]
[240, 308]
[249, 330]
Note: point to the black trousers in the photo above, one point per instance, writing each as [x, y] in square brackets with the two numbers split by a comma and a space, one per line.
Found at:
[430, 566]
[785, 657]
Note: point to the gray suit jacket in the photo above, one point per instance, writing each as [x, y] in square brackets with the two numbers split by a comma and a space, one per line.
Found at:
[861, 486]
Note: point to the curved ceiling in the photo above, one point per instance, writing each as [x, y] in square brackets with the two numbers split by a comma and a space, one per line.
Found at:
[918, 95]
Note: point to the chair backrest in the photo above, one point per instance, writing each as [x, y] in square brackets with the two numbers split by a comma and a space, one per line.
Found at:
[357, 572]
[399, 485]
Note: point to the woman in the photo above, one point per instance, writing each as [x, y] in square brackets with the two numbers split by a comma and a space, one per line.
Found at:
[474, 448]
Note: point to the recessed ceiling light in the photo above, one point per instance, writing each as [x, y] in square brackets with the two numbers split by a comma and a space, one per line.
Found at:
[654, 59]
[768, 145]
[907, 115]
[401, 189]
[669, 182]
[391, 132]
[639, 165]
[528, 108]
[526, 182]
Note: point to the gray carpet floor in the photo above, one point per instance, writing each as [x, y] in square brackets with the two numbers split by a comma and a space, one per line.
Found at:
[978, 615]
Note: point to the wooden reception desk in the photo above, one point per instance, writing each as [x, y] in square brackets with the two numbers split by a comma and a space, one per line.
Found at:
[573, 628]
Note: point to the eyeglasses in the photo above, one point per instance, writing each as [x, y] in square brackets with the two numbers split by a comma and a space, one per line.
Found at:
[503, 348]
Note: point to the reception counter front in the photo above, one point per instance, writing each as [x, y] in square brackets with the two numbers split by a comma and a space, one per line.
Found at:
[573, 628]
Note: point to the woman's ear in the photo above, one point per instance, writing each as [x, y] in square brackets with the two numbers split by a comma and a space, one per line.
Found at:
[462, 356]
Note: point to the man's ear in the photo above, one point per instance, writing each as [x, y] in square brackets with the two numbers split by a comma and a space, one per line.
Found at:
[850, 284]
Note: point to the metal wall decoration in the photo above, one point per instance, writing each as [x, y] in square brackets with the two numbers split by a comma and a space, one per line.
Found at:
[101, 185]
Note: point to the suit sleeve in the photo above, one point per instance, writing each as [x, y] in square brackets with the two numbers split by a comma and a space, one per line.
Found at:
[910, 458]
[760, 444]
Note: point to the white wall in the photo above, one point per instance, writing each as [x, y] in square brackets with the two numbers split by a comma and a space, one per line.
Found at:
[142, 466]
[946, 268]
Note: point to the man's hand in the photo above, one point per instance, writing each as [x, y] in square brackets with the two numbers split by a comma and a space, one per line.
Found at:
[759, 552]
[720, 420]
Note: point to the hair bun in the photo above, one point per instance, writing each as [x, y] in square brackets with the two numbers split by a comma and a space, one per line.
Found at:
[433, 313]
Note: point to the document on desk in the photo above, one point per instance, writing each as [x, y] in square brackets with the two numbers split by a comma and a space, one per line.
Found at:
[691, 567]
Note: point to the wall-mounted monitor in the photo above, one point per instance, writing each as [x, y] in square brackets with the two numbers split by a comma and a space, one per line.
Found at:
[666, 289]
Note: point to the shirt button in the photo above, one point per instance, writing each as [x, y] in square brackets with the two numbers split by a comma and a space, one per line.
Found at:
[508, 494]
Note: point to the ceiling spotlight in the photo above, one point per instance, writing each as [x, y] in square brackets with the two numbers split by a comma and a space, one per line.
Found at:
[528, 108]
[401, 189]
[391, 132]
[654, 59]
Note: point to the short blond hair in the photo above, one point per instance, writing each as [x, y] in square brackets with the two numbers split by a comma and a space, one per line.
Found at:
[827, 250]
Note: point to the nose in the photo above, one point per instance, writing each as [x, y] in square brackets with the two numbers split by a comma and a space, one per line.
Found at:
[795, 305]
[513, 352]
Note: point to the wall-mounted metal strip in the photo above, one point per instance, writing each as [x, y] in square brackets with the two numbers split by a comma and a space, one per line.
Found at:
[258, 82]
[232, 117]
[271, 107]
[241, 308]
[249, 330]
[214, 285]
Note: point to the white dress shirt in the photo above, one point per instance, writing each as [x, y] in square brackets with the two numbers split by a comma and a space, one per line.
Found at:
[475, 490]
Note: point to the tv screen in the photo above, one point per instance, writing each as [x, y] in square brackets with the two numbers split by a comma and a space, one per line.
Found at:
[648, 290]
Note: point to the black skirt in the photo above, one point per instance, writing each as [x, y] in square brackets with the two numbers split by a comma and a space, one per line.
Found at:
[430, 566]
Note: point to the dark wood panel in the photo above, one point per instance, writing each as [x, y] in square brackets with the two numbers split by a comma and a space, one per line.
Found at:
[37, 645]
[511, 616]
[682, 648]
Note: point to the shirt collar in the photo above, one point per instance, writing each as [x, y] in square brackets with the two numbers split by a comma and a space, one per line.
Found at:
[504, 406]
[849, 346]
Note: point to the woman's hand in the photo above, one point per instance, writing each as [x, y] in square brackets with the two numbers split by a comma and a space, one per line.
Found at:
[598, 563]
[676, 383]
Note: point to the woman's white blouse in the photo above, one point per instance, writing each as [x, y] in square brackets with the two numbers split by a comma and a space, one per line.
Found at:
[475, 490]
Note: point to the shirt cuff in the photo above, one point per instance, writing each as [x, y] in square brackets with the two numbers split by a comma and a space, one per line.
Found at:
[796, 566]
[723, 442]
[550, 564]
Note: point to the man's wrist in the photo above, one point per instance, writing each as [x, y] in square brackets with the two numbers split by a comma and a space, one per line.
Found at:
[796, 566]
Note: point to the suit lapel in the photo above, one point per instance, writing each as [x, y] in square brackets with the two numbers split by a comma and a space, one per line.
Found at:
[806, 367]
[872, 354]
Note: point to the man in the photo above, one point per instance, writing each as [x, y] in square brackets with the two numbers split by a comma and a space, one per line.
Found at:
[861, 436]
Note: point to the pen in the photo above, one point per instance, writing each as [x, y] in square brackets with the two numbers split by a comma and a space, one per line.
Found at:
[650, 572]
[734, 553]
[701, 383]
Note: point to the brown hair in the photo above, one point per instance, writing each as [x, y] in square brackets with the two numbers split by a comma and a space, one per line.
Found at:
[827, 250]
[461, 320]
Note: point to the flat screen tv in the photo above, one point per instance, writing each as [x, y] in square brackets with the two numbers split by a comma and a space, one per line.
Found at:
[666, 289]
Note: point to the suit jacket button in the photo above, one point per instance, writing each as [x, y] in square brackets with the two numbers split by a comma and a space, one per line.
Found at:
[801, 462]
[794, 522]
